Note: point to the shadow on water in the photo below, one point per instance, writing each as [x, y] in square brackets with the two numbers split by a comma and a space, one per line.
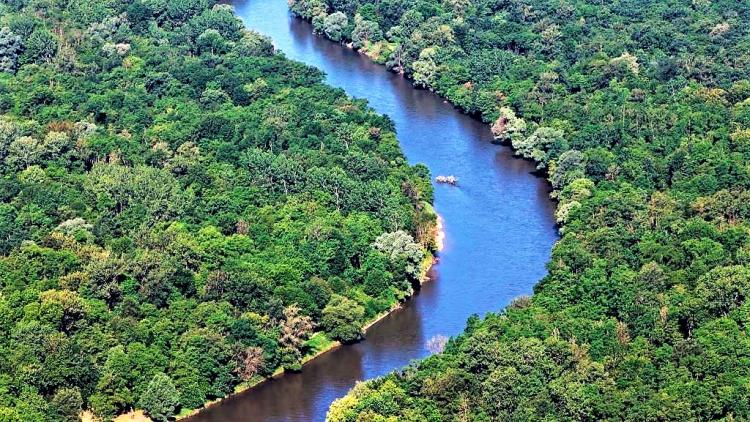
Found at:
[499, 227]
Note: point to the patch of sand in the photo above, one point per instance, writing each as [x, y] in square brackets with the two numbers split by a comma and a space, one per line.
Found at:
[440, 235]
[134, 416]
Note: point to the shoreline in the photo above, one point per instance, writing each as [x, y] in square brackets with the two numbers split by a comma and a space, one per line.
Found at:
[429, 261]
[376, 59]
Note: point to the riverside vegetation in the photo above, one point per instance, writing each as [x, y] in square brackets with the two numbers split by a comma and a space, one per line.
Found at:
[638, 112]
[183, 210]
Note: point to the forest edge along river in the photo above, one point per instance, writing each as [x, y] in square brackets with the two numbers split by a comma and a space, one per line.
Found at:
[498, 222]
[499, 227]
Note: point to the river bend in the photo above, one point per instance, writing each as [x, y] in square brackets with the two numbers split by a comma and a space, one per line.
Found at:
[498, 222]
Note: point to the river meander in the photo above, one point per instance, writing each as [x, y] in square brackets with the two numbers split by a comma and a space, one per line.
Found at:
[498, 222]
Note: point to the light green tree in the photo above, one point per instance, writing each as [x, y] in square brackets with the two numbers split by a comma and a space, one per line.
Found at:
[342, 319]
[334, 25]
[160, 400]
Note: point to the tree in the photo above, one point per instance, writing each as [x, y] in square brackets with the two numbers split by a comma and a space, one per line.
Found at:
[180, 11]
[114, 388]
[569, 167]
[333, 181]
[254, 44]
[9, 131]
[334, 25]
[365, 31]
[25, 151]
[342, 319]
[103, 278]
[295, 329]
[11, 48]
[214, 98]
[723, 289]
[176, 198]
[425, 70]
[211, 41]
[646, 147]
[400, 245]
[544, 144]
[249, 362]
[508, 126]
[160, 400]
[62, 308]
[377, 281]
[155, 274]
[307, 9]
[221, 18]
[67, 404]
[40, 47]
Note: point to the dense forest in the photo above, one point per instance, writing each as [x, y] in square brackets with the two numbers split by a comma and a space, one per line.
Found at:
[638, 112]
[182, 209]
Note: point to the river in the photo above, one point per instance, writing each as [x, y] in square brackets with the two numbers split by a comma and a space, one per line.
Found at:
[499, 227]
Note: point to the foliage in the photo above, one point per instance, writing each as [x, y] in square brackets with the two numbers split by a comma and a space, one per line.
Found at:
[342, 319]
[365, 31]
[67, 404]
[334, 25]
[10, 49]
[179, 205]
[400, 246]
[637, 112]
[160, 398]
